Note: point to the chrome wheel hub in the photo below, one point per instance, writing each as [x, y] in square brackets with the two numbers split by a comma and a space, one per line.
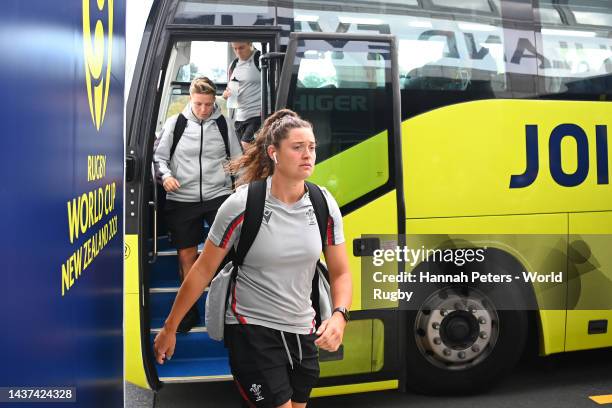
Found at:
[456, 327]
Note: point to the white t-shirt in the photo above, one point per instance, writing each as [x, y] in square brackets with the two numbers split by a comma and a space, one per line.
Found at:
[274, 283]
[249, 88]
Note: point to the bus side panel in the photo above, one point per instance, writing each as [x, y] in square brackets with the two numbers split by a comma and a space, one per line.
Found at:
[551, 330]
[473, 159]
[377, 217]
[590, 290]
[134, 370]
[364, 342]
[459, 160]
[354, 388]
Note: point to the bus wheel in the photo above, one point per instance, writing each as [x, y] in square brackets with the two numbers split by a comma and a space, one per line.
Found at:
[459, 343]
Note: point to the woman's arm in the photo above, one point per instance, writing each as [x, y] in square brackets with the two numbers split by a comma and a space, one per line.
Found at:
[197, 280]
[341, 281]
[331, 331]
[162, 147]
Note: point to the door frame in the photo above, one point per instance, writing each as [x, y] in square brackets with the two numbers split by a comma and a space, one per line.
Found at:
[146, 101]
[396, 138]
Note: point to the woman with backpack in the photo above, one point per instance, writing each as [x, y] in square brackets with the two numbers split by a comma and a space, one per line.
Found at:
[244, 77]
[190, 158]
[270, 324]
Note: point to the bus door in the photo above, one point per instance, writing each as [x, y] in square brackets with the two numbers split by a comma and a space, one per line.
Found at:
[169, 59]
[347, 86]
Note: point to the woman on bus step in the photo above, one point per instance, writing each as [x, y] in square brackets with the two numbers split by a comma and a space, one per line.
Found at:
[270, 329]
[193, 174]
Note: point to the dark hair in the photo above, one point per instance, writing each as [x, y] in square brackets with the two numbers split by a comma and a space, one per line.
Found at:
[255, 164]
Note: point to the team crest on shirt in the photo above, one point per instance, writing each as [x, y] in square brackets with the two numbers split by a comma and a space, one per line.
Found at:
[312, 219]
[266, 215]
[256, 390]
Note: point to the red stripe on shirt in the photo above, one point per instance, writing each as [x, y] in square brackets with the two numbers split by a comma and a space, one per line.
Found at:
[240, 318]
[330, 231]
[230, 229]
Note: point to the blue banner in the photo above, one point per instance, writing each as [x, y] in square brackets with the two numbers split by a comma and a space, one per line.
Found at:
[61, 242]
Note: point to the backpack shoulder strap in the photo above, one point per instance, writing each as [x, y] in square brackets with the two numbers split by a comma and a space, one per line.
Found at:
[179, 128]
[222, 125]
[320, 208]
[253, 214]
[256, 59]
[231, 69]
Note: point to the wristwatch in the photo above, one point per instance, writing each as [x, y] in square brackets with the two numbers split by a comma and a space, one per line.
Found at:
[344, 311]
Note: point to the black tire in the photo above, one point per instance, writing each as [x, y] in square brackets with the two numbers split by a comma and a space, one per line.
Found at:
[429, 371]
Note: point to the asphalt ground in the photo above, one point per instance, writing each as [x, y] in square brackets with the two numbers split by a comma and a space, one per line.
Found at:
[559, 381]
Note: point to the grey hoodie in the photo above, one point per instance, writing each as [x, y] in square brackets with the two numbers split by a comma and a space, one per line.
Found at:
[199, 157]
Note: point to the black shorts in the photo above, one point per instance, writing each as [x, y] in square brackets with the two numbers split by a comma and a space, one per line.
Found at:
[246, 129]
[262, 370]
[186, 220]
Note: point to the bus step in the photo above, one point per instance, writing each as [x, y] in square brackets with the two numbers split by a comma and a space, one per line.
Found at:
[163, 270]
[161, 304]
[172, 252]
[195, 370]
[167, 287]
[195, 346]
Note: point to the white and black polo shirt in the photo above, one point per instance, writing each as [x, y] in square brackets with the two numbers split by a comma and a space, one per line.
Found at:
[274, 283]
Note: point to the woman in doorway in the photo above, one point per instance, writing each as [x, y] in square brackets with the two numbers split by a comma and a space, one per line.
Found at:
[191, 166]
[270, 329]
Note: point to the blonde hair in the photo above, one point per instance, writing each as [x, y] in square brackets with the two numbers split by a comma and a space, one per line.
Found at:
[202, 85]
[255, 164]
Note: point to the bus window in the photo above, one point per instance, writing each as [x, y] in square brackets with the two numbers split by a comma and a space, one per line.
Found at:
[577, 56]
[454, 55]
[191, 59]
[206, 58]
[241, 13]
[591, 13]
[343, 88]
[474, 5]
[548, 15]
[401, 2]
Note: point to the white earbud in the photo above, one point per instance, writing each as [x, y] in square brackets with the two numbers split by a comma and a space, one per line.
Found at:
[275, 159]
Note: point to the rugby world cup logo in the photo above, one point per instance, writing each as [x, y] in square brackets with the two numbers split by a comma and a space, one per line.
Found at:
[97, 47]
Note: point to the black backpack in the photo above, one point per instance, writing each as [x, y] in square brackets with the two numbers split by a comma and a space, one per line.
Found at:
[235, 62]
[253, 215]
[179, 129]
[181, 124]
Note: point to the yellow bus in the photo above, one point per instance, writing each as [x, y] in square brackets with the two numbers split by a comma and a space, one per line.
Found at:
[485, 121]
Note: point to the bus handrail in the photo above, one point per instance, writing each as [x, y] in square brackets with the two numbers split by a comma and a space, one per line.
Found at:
[154, 205]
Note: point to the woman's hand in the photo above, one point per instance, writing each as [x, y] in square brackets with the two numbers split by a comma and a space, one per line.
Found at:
[227, 93]
[171, 184]
[164, 345]
[331, 332]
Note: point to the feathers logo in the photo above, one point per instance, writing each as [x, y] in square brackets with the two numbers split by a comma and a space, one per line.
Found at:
[312, 218]
[98, 51]
[256, 390]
